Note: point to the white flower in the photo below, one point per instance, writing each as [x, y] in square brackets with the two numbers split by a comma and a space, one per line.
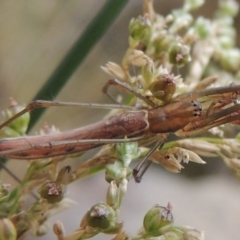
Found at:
[114, 70]
[138, 58]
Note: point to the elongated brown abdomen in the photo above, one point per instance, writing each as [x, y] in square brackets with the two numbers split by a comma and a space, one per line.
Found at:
[129, 124]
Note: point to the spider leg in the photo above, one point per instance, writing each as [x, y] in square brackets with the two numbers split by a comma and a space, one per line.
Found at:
[124, 87]
[204, 123]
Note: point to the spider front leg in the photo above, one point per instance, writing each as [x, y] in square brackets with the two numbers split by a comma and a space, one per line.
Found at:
[212, 94]
[47, 104]
[206, 122]
[124, 87]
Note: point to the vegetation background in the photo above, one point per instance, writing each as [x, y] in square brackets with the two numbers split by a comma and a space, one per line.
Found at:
[34, 37]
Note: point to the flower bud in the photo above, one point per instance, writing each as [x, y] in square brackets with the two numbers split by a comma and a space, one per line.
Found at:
[228, 8]
[172, 235]
[102, 218]
[7, 230]
[48, 129]
[42, 230]
[64, 175]
[114, 70]
[123, 187]
[203, 27]
[163, 43]
[230, 59]
[136, 58]
[113, 194]
[182, 21]
[179, 54]
[58, 229]
[156, 218]
[116, 171]
[190, 5]
[226, 42]
[167, 160]
[140, 29]
[122, 235]
[4, 189]
[147, 71]
[127, 149]
[163, 87]
[52, 191]
[193, 234]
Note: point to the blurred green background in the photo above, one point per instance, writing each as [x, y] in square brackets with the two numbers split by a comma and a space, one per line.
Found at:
[34, 38]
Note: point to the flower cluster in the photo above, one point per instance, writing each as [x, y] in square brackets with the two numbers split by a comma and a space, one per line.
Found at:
[159, 47]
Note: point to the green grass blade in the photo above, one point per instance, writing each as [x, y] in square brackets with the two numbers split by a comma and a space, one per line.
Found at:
[77, 54]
